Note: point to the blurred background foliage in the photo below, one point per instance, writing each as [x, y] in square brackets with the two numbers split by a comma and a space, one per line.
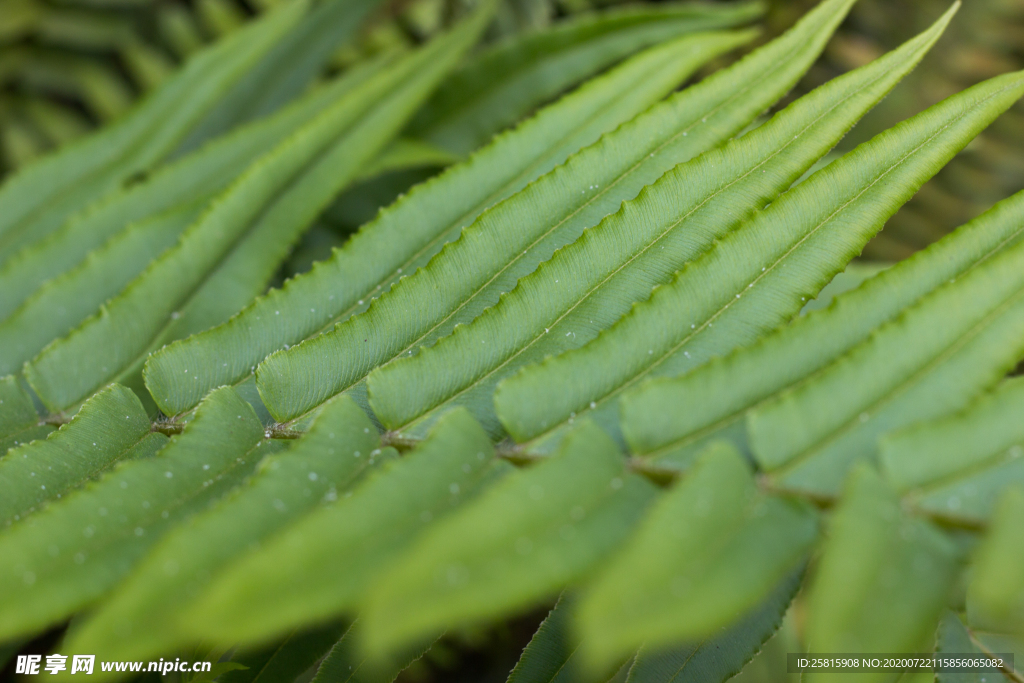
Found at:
[67, 66]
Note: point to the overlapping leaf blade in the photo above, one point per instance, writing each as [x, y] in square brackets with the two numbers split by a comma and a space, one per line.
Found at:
[287, 659]
[245, 233]
[509, 240]
[61, 304]
[882, 581]
[932, 360]
[588, 285]
[755, 278]
[285, 70]
[517, 545]
[553, 654]
[19, 421]
[191, 179]
[64, 557]
[348, 663]
[955, 467]
[669, 419]
[711, 550]
[717, 659]
[997, 588]
[109, 428]
[407, 234]
[143, 617]
[321, 566]
[954, 639]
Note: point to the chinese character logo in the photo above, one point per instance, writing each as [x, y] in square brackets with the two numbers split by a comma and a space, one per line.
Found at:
[82, 663]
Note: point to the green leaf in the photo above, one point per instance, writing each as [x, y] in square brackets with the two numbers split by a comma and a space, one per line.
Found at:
[111, 427]
[200, 175]
[932, 360]
[588, 285]
[227, 256]
[410, 232]
[36, 200]
[956, 467]
[61, 304]
[19, 421]
[513, 237]
[954, 639]
[347, 662]
[717, 659]
[517, 545]
[997, 585]
[285, 70]
[503, 83]
[144, 616]
[553, 654]
[882, 580]
[320, 567]
[287, 659]
[670, 419]
[64, 557]
[753, 279]
[408, 153]
[710, 551]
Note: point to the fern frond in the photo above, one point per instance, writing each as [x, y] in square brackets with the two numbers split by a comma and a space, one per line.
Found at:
[588, 285]
[668, 420]
[955, 467]
[245, 233]
[711, 550]
[519, 544]
[997, 588]
[407, 234]
[932, 360]
[338, 450]
[513, 237]
[200, 175]
[64, 557]
[321, 566]
[756, 277]
[883, 578]
[111, 427]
